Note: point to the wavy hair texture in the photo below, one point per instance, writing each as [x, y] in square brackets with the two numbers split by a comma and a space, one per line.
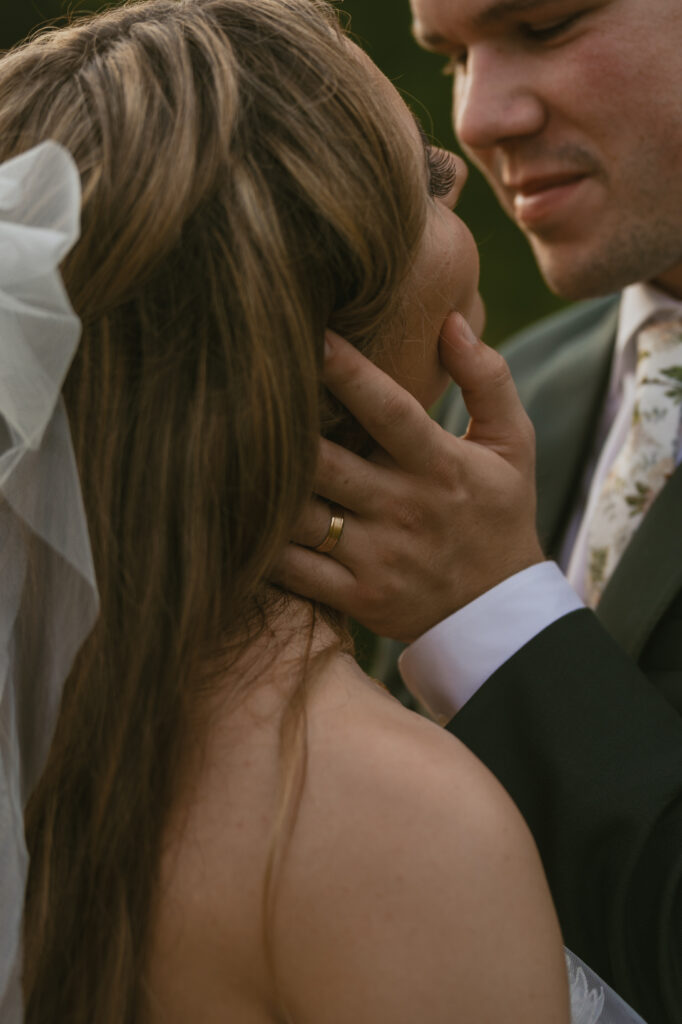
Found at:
[242, 189]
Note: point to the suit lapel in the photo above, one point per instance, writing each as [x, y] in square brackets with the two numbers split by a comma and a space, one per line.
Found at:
[649, 574]
[563, 397]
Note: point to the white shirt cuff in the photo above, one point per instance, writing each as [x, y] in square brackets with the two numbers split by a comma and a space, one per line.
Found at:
[445, 666]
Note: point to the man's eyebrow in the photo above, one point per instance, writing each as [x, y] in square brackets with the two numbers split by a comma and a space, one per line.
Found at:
[495, 12]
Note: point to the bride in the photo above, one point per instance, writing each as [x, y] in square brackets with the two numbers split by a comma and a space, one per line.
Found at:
[225, 818]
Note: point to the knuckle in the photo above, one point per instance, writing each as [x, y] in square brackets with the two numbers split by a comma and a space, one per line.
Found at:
[526, 434]
[499, 374]
[341, 374]
[393, 409]
[409, 515]
[529, 429]
[440, 463]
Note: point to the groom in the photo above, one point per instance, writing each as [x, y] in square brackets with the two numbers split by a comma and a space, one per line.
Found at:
[573, 110]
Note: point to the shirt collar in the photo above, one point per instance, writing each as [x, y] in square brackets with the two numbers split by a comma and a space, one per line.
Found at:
[639, 303]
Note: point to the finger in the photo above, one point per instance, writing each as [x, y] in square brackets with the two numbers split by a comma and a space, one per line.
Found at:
[350, 481]
[389, 414]
[497, 415]
[312, 526]
[314, 576]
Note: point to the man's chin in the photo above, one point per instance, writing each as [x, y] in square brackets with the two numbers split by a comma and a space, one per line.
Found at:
[573, 278]
[606, 262]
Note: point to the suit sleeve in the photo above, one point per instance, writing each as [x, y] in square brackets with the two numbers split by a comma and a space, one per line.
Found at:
[591, 752]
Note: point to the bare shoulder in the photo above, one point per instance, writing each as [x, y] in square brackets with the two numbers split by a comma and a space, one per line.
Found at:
[412, 889]
[372, 761]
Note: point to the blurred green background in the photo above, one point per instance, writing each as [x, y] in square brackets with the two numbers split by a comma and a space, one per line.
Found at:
[511, 286]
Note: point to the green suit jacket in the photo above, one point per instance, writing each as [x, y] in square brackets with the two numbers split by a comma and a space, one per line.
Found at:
[584, 724]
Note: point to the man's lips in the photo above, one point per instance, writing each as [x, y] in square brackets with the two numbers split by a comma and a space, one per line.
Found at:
[529, 186]
[539, 197]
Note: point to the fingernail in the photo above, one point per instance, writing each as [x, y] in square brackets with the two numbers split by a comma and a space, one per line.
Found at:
[464, 330]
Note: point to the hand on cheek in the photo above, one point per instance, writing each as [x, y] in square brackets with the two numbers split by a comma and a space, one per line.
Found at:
[442, 519]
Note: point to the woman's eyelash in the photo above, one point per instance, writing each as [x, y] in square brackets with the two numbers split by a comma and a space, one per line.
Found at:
[442, 172]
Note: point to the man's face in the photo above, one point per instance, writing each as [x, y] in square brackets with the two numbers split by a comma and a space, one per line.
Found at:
[573, 110]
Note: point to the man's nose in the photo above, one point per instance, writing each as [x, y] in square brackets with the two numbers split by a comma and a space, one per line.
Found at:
[495, 99]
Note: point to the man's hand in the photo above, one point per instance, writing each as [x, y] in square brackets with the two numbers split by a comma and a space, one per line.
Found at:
[432, 521]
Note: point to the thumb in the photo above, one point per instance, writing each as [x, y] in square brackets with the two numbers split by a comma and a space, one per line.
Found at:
[498, 419]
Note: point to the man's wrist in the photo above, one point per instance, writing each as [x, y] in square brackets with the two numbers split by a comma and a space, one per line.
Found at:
[445, 666]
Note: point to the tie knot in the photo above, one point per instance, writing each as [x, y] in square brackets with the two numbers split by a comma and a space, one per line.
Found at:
[659, 358]
[662, 335]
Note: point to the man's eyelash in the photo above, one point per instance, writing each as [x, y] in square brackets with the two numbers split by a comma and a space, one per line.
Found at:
[442, 172]
[548, 32]
[538, 34]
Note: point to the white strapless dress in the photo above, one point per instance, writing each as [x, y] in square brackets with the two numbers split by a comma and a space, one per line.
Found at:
[592, 1001]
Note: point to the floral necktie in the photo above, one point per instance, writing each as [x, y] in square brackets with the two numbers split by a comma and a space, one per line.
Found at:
[647, 458]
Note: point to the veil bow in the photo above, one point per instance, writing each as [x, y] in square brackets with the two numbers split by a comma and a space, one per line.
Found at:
[48, 594]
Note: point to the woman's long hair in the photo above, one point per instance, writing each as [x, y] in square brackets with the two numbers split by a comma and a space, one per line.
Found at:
[242, 189]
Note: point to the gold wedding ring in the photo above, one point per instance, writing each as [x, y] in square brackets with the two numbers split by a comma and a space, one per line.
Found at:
[333, 533]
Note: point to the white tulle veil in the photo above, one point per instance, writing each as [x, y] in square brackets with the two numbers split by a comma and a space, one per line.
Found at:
[43, 532]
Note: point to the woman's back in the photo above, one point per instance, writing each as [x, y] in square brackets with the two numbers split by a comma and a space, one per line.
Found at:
[405, 890]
